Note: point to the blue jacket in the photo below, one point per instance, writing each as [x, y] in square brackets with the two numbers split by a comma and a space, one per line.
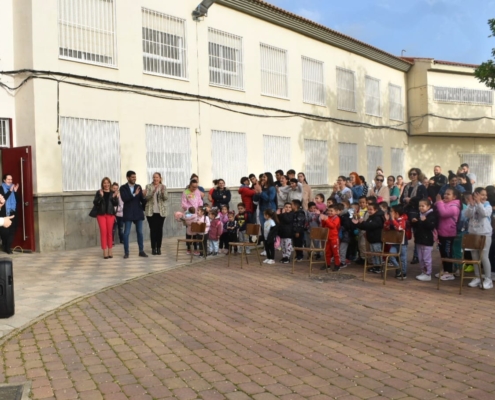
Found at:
[133, 205]
[267, 199]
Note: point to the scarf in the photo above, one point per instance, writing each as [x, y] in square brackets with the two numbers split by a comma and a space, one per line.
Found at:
[415, 189]
[11, 204]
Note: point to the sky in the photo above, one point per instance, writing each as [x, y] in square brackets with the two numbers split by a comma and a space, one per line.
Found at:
[450, 30]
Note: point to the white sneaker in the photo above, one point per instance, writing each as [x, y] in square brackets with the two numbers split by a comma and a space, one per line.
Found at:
[475, 282]
[487, 283]
[266, 261]
[447, 277]
[248, 251]
[437, 274]
[271, 262]
[424, 277]
[263, 253]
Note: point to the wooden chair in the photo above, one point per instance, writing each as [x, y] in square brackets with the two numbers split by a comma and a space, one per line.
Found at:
[320, 234]
[389, 237]
[469, 242]
[251, 230]
[197, 228]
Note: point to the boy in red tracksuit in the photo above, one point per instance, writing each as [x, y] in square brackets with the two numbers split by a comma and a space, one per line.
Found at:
[332, 222]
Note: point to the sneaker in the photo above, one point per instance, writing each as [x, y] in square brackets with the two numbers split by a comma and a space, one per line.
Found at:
[263, 253]
[404, 276]
[285, 260]
[348, 262]
[336, 269]
[188, 252]
[324, 267]
[437, 274]
[142, 254]
[376, 270]
[266, 261]
[270, 262]
[424, 277]
[447, 277]
[343, 265]
[415, 260]
[475, 282]
[299, 259]
[469, 268]
[457, 273]
[487, 283]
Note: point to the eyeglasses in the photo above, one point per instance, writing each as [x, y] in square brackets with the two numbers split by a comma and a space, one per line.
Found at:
[413, 174]
[379, 180]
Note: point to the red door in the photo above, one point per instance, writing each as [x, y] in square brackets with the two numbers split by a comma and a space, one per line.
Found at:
[18, 162]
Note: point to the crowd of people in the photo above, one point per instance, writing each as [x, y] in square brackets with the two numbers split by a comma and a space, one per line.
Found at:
[434, 212]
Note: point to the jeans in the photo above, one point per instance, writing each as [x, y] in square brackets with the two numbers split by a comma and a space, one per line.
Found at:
[403, 257]
[376, 247]
[119, 227]
[156, 230]
[243, 237]
[213, 246]
[446, 249]
[343, 251]
[127, 232]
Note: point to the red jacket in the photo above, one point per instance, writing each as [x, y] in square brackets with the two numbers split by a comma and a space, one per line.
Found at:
[216, 229]
[333, 225]
[247, 197]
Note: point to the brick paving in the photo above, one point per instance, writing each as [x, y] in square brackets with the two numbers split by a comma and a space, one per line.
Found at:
[210, 332]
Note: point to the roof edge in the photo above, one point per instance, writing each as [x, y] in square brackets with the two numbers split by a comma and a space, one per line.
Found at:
[441, 62]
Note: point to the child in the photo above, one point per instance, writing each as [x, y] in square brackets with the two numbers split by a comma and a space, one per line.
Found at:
[424, 237]
[373, 227]
[320, 202]
[313, 222]
[270, 231]
[346, 231]
[232, 228]
[189, 218]
[202, 217]
[295, 190]
[384, 207]
[332, 222]
[330, 202]
[362, 215]
[216, 230]
[397, 220]
[243, 217]
[285, 232]
[224, 218]
[298, 227]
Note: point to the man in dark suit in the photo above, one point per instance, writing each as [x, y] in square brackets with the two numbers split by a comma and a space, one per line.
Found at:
[134, 200]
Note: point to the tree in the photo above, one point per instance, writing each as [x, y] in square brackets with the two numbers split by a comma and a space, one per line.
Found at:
[486, 71]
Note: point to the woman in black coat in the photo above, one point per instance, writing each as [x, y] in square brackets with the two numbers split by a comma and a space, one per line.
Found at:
[9, 191]
[221, 195]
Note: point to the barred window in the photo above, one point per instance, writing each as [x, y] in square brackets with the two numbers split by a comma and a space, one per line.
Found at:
[164, 44]
[397, 156]
[348, 158]
[316, 161]
[346, 89]
[482, 166]
[168, 151]
[4, 133]
[277, 153]
[274, 75]
[463, 95]
[229, 156]
[226, 62]
[87, 31]
[375, 159]
[373, 103]
[395, 103]
[90, 151]
[313, 81]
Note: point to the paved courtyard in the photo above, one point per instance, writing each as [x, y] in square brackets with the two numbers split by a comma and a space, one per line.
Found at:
[211, 332]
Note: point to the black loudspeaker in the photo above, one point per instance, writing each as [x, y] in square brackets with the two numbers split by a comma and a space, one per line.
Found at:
[7, 306]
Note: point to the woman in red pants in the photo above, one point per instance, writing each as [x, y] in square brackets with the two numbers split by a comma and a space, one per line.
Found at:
[105, 202]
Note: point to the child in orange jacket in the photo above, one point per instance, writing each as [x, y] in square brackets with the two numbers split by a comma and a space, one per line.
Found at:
[332, 222]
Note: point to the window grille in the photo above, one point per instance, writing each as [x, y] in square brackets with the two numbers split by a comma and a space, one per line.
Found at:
[463, 95]
[348, 158]
[277, 155]
[4, 133]
[373, 103]
[313, 81]
[346, 89]
[482, 166]
[90, 151]
[168, 151]
[397, 156]
[229, 156]
[375, 159]
[395, 103]
[164, 44]
[316, 161]
[87, 31]
[274, 75]
[226, 62]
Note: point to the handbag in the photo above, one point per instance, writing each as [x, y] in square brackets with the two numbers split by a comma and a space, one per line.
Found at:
[94, 212]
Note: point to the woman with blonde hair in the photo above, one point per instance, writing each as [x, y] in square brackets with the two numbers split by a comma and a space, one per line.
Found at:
[105, 202]
[156, 211]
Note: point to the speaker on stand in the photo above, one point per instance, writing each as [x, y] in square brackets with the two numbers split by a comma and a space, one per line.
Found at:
[7, 306]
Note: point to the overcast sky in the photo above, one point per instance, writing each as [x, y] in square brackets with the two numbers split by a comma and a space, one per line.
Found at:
[452, 30]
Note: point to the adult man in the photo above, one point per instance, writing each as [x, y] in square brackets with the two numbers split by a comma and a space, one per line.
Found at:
[291, 174]
[134, 201]
[9, 191]
[453, 184]
[436, 182]
[470, 175]
[278, 174]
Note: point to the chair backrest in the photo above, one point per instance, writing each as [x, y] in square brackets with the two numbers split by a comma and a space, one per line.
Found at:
[253, 229]
[473, 242]
[393, 236]
[319, 234]
[198, 227]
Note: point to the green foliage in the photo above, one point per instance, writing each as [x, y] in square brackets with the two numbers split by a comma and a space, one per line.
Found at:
[486, 71]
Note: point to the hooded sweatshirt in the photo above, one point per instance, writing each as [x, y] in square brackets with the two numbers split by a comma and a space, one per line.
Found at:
[423, 230]
[448, 214]
[479, 219]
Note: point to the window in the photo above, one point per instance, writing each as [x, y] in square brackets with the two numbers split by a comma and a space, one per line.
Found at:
[346, 90]
[373, 103]
[463, 95]
[277, 153]
[397, 156]
[4, 133]
[168, 151]
[86, 31]
[375, 159]
[164, 44]
[482, 166]
[274, 76]
[395, 103]
[348, 158]
[313, 83]
[226, 63]
[90, 151]
[316, 161]
[229, 156]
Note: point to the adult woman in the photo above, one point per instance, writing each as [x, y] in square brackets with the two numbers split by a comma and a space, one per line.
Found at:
[465, 182]
[105, 202]
[221, 195]
[156, 211]
[380, 191]
[394, 191]
[247, 194]
[9, 191]
[307, 192]
[191, 197]
[400, 184]
[267, 195]
[200, 188]
[210, 193]
[282, 192]
[479, 213]
[341, 192]
[355, 185]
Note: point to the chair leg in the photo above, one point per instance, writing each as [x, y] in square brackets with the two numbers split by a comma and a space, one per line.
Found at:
[385, 268]
[365, 268]
[310, 263]
[177, 254]
[482, 275]
[228, 260]
[462, 277]
[258, 253]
